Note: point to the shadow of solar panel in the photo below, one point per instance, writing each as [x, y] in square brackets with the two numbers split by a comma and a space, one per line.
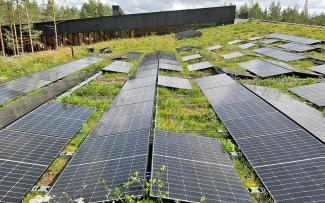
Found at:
[308, 117]
[235, 73]
[314, 93]
[243, 109]
[119, 66]
[232, 55]
[200, 66]
[260, 125]
[16, 179]
[302, 40]
[230, 94]
[196, 167]
[53, 119]
[191, 57]
[133, 96]
[247, 45]
[270, 41]
[188, 34]
[29, 148]
[264, 69]
[318, 69]
[215, 81]
[173, 82]
[301, 181]
[281, 148]
[86, 181]
[216, 47]
[297, 47]
[125, 119]
[145, 73]
[279, 54]
[141, 82]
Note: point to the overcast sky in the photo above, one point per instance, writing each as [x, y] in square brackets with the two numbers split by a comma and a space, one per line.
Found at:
[138, 6]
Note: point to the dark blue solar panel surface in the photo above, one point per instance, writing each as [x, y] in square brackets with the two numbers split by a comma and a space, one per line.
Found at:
[196, 167]
[288, 159]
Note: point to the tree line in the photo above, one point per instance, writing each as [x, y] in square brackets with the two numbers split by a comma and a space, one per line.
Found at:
[275, 12]
[19, 15]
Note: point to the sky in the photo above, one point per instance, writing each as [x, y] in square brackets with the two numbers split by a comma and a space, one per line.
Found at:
[140, 6]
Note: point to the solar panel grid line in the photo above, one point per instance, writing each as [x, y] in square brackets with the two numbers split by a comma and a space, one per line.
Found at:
[209, 81]
[189, 179]
[139, 83]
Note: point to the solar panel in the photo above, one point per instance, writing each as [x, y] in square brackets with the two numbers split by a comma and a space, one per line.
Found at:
[247, 45]
[235, 41]
[318, 69]
[273, 144]
[7, 95]
[314, 93]
[255, 38]
[62, 121]
[306, 116]
[229, 94]
[119, 66]
[264, 69]
[260, 125]
[187, 48]
[29, 148]
[211, 81]
[196, 167]
[16, 179]
[236, 73]
[270, 41]
[25, 84]
[191, 57]
[243, 109]
[145, 73]
[172, 67]
[232, 55]
[132, 55]
[188, 34]
[279, 54]
[200, 66]
[216, 47]
[169, 62]
[133, 96]
[301, 181]
[297, 47]
[302, 40]
[141, 82]
[125, 119]
[112, 159]
[173, 82]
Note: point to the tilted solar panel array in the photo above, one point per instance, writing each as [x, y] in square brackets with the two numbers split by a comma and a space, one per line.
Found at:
[20, 86]
[196, 167]
[279, 54]
[118, 145]
[288, 159]
[314, 93]
[119, 66]
[28, 149]
[302, 40]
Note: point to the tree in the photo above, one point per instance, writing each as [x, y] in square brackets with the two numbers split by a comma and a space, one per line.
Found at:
[274, 11]
[95, 8]
[2, 22]
[52, 2]
[28, 25]
[304, 15]
[243, 11]
[256, 11]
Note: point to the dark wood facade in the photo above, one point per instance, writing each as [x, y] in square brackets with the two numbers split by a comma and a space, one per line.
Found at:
[92, 30]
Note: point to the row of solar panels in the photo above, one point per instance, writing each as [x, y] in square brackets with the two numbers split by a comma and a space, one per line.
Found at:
[118, 145]
[29, 145]
[15, 88]
[289, 160]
